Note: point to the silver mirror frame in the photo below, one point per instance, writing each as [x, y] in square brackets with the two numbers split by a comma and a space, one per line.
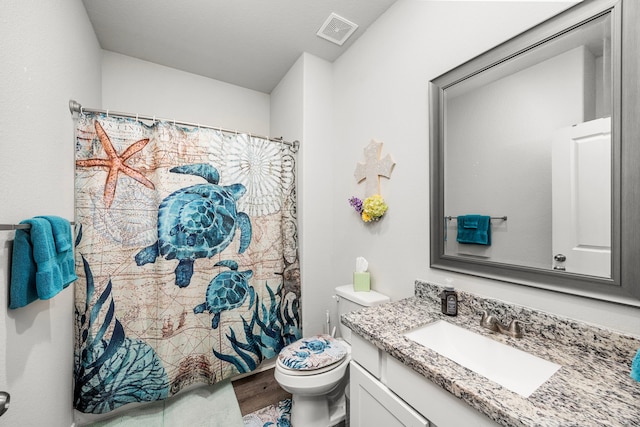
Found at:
[624, 285]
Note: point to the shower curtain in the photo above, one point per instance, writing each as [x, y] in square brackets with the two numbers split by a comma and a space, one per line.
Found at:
[186, 252]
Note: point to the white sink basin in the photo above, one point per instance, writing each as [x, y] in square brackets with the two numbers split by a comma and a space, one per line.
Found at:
[513, 369]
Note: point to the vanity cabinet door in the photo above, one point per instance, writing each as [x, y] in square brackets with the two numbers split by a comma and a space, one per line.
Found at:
[373, 404]
[367, 355]
[442, 407]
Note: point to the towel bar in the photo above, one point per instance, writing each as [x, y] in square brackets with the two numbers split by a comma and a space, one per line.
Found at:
[9, 227]
[503, 218]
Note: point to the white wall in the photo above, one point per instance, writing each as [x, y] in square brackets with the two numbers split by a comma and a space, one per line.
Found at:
[131, 85]
[315, 194]
[287, 104]
[49, 55]
[380, 91]
[301, 109]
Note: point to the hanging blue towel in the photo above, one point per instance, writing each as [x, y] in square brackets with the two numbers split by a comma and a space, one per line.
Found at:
[635, 367]
[63, 238]
[61, 230]
[474, 229]
[42, 260]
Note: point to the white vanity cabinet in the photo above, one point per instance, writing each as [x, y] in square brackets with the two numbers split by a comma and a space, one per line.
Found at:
[373, 404]
[384, 392]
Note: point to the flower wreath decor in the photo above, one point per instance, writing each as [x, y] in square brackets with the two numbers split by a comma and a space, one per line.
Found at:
[373, 207]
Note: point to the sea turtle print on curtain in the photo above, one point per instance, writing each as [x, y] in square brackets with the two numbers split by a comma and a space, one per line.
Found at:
[186, 253]
[197, 222]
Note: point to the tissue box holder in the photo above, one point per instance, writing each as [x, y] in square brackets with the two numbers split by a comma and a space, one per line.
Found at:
[361, 282]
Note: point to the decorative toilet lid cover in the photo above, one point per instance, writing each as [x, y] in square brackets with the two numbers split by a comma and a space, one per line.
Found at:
[312, 353]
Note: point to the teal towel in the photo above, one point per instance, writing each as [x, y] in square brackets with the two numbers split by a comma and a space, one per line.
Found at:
[61, 229]
[474, 229]
[635, 367]
[22, 289]
[63, 238]
[470, 221]
[38, 268]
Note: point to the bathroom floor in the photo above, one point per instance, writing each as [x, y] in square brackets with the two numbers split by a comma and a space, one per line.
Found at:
[258, 391]
[262, 401]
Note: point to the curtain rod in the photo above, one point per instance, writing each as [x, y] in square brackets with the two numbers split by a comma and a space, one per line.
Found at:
[76, 107]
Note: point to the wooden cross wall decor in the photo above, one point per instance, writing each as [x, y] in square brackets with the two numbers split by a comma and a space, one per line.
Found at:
[373, 168]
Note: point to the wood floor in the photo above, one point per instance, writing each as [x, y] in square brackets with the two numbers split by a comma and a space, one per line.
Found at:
[258, 391]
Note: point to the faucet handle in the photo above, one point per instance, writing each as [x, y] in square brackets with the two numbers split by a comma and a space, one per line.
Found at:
[489, 321]
[485, 314]
[515, 328]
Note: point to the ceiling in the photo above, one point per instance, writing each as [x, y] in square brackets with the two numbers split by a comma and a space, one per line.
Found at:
[249, 43]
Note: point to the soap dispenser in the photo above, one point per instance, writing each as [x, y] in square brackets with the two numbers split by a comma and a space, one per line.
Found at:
[449, 301]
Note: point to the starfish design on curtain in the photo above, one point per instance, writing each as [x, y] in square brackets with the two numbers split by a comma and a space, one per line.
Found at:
[116, 164]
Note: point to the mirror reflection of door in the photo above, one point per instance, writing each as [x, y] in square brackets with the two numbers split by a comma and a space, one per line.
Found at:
[581, 198]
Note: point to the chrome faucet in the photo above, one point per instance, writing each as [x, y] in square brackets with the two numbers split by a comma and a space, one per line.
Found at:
[489, 321]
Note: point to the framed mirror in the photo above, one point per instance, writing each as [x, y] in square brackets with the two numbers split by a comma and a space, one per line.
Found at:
[534, 146]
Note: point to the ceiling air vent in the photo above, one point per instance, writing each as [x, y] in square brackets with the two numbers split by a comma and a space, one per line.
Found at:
[336, 29]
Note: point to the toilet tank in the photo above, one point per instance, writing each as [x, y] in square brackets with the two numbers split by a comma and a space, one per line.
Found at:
[349, 300]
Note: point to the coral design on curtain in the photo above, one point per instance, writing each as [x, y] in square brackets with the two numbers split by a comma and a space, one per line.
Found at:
[186, 252]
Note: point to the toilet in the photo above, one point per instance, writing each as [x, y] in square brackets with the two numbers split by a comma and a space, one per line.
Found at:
[315, 369]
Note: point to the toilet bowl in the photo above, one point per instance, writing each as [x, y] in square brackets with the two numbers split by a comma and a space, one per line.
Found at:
[315, 370]
[317, 388]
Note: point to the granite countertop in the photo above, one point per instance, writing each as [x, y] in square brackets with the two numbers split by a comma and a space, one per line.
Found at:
[592, 388]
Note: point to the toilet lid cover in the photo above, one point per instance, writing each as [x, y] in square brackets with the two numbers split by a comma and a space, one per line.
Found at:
[312, 353]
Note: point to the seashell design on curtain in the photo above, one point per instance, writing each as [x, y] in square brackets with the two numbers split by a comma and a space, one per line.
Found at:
[187, 257]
